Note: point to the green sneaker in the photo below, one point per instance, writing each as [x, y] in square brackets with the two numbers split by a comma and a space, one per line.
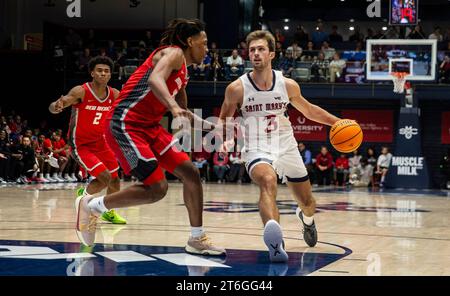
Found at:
[80, 191]
[113, 217]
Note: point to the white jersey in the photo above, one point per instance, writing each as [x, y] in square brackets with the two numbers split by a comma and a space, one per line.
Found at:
[267, 125]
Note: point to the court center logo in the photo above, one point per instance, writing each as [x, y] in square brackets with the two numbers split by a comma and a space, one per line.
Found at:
[408, 132]
[374, 9]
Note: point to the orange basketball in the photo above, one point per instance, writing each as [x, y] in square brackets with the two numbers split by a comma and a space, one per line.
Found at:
[346, 135]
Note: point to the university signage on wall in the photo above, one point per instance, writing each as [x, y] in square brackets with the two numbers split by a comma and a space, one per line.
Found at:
[377, 125]
[305, 129]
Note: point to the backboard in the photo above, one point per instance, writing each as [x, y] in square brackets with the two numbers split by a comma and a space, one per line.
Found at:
[419, 56]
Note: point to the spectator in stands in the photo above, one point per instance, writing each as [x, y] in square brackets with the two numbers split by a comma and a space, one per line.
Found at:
[234, 65]
[24, 161]
[278, 50]
[327, 50]
[217, 66]
[444, 70]
[202, 71]
[417, 33]
[279, 37]
[213, 48]
[341, 170]
[287, 63]
[334, 35]
[371, 157]
[320, 67]
[357, 35]
[243, 50]
[444, 167]
[295, 50]
[436, 34]
[309, 53]
[201, 161]
[354, 161]
[4, 124]
[307, 160]
[363, 175]
[59, 152]
[319, 36]
[5, 158]
[42, 158]
[84, 59]
[383, 163]
[324, 167]
[220, 161]
[237, 167]
[301, 36]
[337, 66]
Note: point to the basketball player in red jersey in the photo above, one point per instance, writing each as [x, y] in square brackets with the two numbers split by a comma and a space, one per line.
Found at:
[90, 104]
[143, 147]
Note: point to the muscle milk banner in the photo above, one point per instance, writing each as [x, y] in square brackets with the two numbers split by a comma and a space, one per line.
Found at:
[376, 124]
[408, 167]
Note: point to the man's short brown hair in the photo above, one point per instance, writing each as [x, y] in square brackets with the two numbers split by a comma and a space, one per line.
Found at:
[261, 34]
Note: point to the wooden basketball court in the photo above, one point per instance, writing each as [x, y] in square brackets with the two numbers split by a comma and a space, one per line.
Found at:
[360, 232]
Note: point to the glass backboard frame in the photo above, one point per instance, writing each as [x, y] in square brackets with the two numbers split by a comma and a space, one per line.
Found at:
[370, 43]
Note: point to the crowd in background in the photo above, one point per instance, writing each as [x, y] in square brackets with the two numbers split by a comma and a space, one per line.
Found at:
[318, 57]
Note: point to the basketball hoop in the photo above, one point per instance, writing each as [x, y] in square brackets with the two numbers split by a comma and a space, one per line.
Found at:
[399, 79]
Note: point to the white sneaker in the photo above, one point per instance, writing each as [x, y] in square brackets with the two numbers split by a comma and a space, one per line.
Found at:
[273, 238]
[57, 178]
[86, 225]
[72, 176]
[50, 179]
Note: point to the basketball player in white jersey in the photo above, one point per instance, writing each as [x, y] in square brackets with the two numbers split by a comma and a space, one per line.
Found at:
[264, 94]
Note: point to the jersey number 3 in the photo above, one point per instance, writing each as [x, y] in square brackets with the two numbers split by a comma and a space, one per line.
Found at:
[97, 118]
[272, 124]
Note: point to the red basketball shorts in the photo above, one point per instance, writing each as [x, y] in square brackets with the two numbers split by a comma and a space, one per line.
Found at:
[144, 152]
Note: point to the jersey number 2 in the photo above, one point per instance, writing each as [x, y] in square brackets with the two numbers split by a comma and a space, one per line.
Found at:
[97, 118]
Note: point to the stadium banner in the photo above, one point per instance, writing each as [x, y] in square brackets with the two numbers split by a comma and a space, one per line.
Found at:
[305, 129]
[377, 125]
[445, 130]
[408, 168]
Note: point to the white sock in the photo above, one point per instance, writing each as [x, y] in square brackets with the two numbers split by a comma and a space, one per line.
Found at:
[382, 179]
[307, 220]
[97, 204]
[196, 231]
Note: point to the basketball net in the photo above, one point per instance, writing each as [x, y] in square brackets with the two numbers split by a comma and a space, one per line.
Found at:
[399, 79]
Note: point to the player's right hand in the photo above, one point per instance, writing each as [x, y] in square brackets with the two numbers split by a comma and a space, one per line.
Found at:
[57, 106]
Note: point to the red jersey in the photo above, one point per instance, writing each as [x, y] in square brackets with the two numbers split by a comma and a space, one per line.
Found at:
[87, 122]
[47, 144]
[58, 145]
[137, 104]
